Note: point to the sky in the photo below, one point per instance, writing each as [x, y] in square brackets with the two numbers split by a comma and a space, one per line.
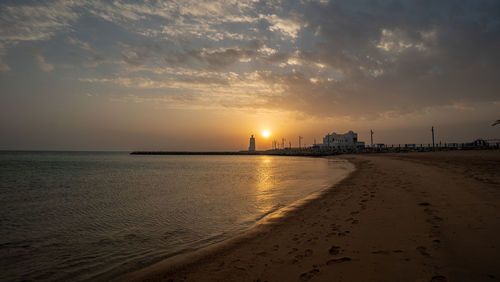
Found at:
[205, 75]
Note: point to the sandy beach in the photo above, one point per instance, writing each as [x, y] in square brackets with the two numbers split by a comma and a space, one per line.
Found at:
[398, 217]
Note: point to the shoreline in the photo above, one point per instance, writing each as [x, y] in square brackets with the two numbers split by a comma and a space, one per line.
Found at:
[318, 152]
[188, 257]
[396, 217]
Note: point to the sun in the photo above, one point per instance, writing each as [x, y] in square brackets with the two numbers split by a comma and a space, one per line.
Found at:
[266, 133]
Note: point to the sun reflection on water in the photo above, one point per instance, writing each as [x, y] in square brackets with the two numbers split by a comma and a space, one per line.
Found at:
[266, 184]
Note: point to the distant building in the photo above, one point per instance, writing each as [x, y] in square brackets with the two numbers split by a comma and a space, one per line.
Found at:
[251, 148]
[342, 141]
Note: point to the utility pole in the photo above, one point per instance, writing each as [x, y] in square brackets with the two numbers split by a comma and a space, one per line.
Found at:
[371, 137]
[300, 139]
[432, 129]
[282, 142]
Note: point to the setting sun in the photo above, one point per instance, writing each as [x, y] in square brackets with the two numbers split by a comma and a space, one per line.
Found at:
[266, 133]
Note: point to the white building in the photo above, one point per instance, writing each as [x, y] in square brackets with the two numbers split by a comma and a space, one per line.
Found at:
[251, 148]
[342, 141]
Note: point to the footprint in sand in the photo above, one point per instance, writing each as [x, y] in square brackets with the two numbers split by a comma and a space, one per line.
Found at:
[313, 239]
[297, 258]
[338, 260]
[424, 204]
[308, 275]
[239, 268]
[334, 250]
[381, 252]
[439, 278]
[423, 251]
[437, 218]
[335, 227]
[307, 253]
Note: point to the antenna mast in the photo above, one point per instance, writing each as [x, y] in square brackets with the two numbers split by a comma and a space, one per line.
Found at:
[371, 137]
[432, 129]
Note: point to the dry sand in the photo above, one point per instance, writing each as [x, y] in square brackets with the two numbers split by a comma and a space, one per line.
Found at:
[398, 217]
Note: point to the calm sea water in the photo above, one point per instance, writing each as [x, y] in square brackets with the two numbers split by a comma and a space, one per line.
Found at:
[93, 216]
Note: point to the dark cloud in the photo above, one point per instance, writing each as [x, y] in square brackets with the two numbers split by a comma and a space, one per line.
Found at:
[395, 56]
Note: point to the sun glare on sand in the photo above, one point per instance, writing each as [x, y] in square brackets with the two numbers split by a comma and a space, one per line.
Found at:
[266, 133]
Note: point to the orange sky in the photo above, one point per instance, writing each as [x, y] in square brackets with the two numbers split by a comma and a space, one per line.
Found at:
[196, 75]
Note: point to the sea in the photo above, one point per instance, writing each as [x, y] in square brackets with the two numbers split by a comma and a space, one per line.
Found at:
[93, 216]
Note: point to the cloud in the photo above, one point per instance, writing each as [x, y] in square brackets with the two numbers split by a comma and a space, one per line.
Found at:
[44, 66]
[397, 64]
[138, 55]
[180, 82]
[323, 58]
[177, 19]
[206, 89]
[79, 43]
[287, 26]
[35, 22]
[213, 59]
[95, 60]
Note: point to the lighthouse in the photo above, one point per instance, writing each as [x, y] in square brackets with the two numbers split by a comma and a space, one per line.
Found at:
[251, 148]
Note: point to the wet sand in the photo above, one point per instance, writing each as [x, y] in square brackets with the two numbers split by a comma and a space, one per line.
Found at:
[398, 217]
